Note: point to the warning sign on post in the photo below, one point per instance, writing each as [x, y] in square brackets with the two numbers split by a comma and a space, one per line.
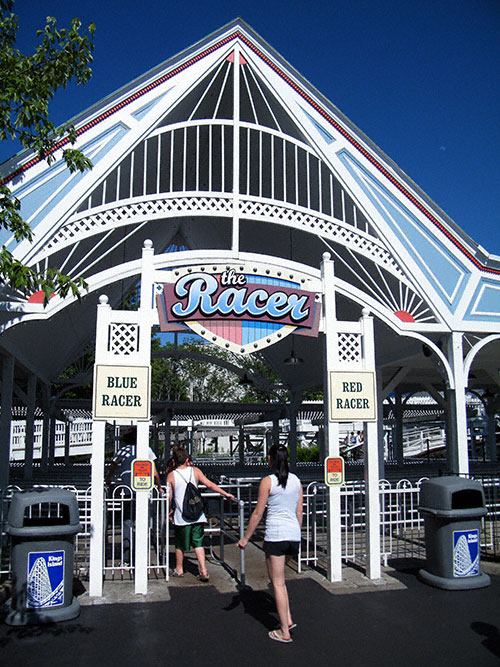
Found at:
[352, 396]
[334, 470]
[142, 475]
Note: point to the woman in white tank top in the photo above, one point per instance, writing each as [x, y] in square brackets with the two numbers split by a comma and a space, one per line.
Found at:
[281, 493]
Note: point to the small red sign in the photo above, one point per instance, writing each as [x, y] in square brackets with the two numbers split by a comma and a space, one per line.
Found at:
[142, 475]
[334, 470]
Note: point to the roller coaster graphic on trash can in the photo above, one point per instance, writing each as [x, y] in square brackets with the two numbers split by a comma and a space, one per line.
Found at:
[45, 579]
[42, 524]
[465, 553]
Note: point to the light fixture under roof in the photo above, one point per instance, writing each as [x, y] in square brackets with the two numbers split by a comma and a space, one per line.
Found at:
[244, 380]
[293, 360]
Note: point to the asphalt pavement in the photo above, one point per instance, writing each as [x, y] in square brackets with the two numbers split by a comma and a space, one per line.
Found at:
[392, 621]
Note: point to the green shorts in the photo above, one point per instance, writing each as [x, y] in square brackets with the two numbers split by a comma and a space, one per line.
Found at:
[189, 536]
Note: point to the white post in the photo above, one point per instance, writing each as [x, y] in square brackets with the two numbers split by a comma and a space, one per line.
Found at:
[141, 517]
[331, 428]
[373, 569]
[97, 510]
[142, 449]
[236, 151]
[458, 407]
[97, 464]
[30, 428]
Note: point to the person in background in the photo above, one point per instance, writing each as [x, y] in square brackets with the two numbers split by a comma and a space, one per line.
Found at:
[120, 473]
[281, 492]
[188, 534]
[120, 469]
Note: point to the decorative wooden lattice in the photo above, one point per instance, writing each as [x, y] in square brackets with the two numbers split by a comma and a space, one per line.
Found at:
[123, 338]
[349, 349]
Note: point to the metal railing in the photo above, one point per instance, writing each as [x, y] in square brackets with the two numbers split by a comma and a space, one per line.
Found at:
[401, 526]
[402, 531]
[225, 520]
[490, 542]
[226, 525]
[119, 533]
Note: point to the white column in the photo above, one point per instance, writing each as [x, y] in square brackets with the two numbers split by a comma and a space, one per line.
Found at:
[380, 428]
[141, 517]
[30, 428]
[458, 407]
[67, 440]
[373, 569]
[97, 510]
[97, 463]
[491, 411]
[331, 428]
[146, 312]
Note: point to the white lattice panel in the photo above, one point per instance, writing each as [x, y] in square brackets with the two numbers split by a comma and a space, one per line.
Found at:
[349, 349]
[123, 338]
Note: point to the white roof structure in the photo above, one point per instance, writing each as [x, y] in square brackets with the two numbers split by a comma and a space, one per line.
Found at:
[225, 147]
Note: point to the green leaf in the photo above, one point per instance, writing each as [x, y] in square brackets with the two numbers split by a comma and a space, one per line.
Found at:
[28, 83]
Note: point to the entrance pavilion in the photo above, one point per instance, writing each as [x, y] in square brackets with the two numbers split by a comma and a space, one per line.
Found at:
[226, 157]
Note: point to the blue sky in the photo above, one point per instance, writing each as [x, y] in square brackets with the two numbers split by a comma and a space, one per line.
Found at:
[421, 79]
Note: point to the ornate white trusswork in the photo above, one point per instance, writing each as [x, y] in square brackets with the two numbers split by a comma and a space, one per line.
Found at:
[123, 338]
[167, 207]
[349, 349]
[135, 212]
[324, 226]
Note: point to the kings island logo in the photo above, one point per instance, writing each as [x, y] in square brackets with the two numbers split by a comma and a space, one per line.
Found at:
[237, 309]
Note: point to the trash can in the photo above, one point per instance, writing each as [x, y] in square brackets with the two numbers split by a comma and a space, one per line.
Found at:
[42, 525]
[452, 508]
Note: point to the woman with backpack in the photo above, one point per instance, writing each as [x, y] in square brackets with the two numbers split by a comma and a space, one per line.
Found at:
[281, 493]
[188, 522]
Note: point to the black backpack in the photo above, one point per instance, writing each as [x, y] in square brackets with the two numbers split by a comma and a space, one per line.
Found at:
[192, 506]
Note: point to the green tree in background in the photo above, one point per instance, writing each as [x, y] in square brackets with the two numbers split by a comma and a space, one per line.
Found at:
[190, 377]
[27, 84]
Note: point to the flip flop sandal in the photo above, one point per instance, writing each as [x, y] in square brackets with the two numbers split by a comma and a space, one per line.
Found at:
[203, 577]
[290, 627]
[274, 635]
[176, 574]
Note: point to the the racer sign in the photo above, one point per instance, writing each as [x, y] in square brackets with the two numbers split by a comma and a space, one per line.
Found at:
[202, 296]
[235, 307]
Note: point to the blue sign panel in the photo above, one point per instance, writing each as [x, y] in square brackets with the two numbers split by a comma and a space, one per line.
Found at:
[465, 553]
[45, 580]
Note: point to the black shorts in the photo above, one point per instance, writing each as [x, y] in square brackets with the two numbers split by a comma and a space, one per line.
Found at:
[285, 548]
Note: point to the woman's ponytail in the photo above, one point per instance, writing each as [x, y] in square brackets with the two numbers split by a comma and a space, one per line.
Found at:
[278, 455]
